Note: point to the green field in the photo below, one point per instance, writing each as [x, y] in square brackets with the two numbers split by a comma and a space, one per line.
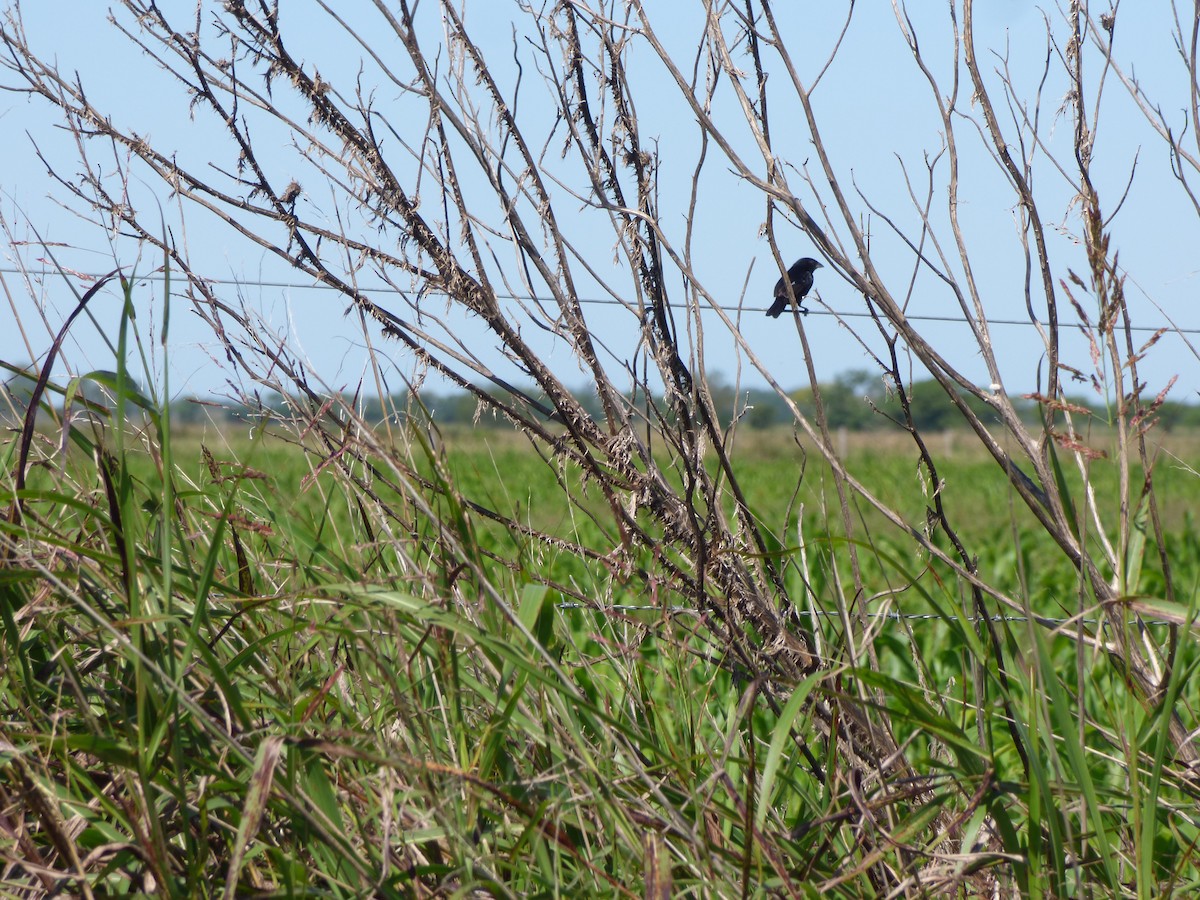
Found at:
[427, 669]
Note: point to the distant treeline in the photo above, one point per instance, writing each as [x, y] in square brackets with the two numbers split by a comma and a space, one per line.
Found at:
[858, 401]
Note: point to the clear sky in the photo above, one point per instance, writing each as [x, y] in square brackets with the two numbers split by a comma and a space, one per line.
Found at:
[875, 112]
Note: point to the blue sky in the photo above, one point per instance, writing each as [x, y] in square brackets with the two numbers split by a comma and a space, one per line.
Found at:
[876, 116]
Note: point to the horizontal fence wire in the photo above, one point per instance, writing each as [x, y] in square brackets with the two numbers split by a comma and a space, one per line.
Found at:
[607, 301]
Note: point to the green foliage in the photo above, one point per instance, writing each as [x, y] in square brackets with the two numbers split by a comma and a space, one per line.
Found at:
[259, 686]
[422, 671]
[856, 400]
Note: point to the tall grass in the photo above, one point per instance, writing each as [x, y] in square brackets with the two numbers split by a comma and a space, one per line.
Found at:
[268, 669]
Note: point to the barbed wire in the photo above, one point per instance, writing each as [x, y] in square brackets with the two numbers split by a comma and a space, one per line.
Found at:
[608, 301]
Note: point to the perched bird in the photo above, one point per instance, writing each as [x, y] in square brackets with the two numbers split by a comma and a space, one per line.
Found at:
[801, 277]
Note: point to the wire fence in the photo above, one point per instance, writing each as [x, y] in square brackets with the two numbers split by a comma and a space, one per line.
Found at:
[608, 301]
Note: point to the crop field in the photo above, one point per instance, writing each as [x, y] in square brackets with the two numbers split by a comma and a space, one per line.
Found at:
[428, 666]
[790, 492]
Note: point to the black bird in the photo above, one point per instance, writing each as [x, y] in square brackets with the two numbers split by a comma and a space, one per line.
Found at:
[801, 277]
